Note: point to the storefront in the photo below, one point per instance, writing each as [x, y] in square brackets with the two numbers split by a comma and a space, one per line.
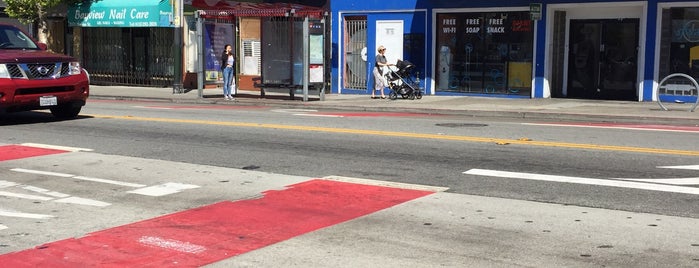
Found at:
[488, 52]
[402, 33]
[611, 50]
[124, 42]
[679, 44]
[597, 51]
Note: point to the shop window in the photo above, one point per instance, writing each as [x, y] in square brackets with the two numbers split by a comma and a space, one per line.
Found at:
[679, 47]
[484, 52]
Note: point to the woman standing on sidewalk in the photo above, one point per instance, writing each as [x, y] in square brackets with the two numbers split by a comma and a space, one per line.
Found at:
[379, 79]
[228, 68]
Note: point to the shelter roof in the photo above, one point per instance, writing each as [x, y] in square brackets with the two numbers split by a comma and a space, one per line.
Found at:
[223, 9]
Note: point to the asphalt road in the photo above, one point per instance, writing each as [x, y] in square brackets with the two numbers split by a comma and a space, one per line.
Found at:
[409, 148]
[490, 169]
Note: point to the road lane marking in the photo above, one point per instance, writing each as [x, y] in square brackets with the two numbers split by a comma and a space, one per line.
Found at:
[25, 196]
[582, 180]
[65, 175]
[82, 201]
[3, 227]
[320, 115]
[688, 167]
[64, 198]
[120, 183]
[57, 147]
[153, 107]
[409, 135]
[6, 184]
[39, 172]
[391, 184]
[45, 191]
[649, 127]
[293, 111]
[164, 189]
[156, 190]
[673, 181]
[14, 214]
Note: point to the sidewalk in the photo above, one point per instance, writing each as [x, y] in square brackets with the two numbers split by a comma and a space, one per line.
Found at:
[551, 108]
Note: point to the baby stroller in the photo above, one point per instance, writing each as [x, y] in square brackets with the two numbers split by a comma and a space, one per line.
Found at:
[401, 81]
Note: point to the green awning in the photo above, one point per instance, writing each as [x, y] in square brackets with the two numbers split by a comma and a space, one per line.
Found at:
[120, 13]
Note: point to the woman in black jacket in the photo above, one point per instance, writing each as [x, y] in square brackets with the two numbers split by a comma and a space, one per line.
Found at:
[228, 68]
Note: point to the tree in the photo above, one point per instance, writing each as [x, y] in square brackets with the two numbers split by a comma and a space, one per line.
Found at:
[34, 11]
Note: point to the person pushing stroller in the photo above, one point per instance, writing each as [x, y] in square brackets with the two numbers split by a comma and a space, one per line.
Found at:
[379, 66]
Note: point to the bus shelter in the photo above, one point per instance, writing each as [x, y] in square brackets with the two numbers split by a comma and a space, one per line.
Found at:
[279, 47]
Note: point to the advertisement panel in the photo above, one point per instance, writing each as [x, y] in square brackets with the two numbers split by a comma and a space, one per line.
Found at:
[216, 36]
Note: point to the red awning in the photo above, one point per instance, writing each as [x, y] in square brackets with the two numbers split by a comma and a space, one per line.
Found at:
[222, 9]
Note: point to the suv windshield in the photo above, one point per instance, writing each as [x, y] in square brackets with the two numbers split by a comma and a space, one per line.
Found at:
[12, 38]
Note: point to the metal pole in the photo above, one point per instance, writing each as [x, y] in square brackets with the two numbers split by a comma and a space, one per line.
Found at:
[200, 55]
[306, 63]
[177, 48]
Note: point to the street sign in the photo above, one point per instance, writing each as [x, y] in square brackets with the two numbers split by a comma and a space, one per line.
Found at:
[535, 11]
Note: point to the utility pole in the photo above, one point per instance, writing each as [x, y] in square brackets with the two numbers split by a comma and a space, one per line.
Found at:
[177, 46]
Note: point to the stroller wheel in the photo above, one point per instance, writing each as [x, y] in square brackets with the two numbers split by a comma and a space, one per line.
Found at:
[405, 96]
[393, 95]
[411, 96]
[418, 95]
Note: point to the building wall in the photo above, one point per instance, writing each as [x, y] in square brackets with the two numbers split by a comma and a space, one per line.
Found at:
[553, 53]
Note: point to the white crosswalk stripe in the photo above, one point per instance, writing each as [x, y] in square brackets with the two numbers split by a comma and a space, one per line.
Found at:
[64, 175]
[15, 214]
[164, 189]
[582, 180]
[674, 181]
[688, 167]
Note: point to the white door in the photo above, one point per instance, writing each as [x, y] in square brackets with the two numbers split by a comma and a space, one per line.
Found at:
[389, 33]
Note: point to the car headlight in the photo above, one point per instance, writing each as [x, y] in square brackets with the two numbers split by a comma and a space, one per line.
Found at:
[74, 68]
[4, 73]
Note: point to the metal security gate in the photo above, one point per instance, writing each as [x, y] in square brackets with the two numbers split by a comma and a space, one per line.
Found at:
[129, 56]
[355, 47]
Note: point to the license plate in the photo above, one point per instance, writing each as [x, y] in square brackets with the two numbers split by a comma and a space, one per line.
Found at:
[48, 101]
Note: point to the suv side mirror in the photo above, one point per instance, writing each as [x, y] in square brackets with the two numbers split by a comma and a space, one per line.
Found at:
[43, 46]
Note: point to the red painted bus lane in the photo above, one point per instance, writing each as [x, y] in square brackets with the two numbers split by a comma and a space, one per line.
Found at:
[12, 152]
[219, 231]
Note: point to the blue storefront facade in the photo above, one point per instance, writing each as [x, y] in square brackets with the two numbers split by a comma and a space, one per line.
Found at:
[610, 50]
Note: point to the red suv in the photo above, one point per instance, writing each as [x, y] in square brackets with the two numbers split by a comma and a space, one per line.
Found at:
[32, 78]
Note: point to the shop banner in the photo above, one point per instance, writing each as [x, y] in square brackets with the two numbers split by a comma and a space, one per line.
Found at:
[119, 13]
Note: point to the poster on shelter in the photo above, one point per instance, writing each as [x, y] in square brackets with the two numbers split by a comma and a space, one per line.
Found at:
[316, 49]
[216, 36]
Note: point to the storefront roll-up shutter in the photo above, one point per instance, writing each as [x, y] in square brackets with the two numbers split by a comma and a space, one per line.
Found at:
[126, 42]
